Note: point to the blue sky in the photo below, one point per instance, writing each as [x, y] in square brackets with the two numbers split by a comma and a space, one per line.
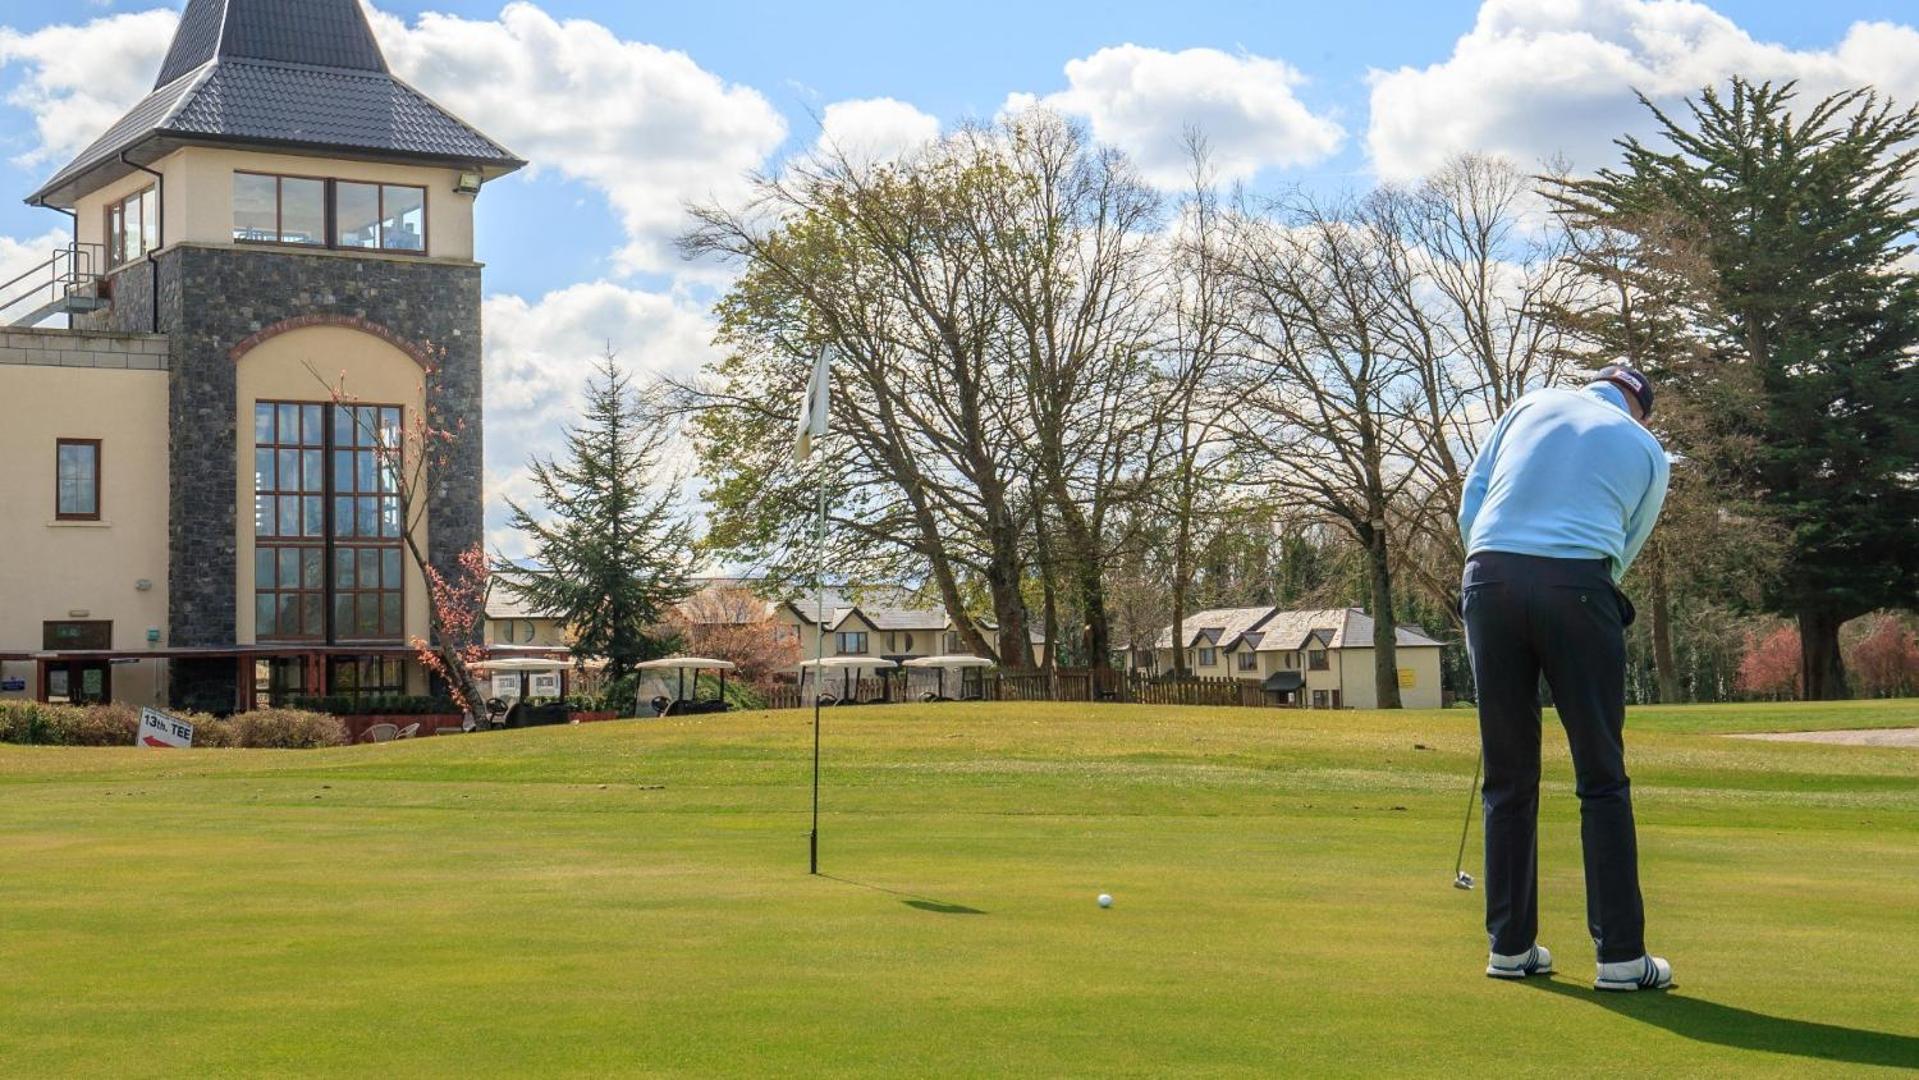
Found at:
[628, 109]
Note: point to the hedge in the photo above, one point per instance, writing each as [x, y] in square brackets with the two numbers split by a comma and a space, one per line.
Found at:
[30, 722]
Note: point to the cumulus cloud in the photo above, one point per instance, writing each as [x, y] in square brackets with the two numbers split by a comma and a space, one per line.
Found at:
[1534, 81]
[79, 79]
[646, 126]
[540, 355]
[874, 129]
[1144, 100]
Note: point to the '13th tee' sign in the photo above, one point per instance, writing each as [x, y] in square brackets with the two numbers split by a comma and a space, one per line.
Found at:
[159, 729]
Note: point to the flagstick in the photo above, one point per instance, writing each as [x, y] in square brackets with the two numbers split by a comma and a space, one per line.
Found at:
[819, 658]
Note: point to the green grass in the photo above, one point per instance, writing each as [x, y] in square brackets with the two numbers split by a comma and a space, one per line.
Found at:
[631, 897]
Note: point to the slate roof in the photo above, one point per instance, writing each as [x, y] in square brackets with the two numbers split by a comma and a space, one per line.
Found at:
[302, 75]
[1268, 629]
[1215, 625]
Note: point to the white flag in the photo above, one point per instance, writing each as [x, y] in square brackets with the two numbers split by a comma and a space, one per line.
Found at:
[815, 404]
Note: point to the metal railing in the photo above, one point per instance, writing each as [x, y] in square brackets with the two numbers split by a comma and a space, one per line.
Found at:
[68, 276]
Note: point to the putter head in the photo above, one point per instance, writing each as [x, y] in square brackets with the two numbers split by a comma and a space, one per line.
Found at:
[1463, 881]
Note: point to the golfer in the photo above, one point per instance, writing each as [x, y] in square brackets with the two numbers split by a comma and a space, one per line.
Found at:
[1555, 508]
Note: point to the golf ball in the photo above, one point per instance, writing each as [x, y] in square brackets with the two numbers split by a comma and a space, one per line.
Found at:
[1105, 900]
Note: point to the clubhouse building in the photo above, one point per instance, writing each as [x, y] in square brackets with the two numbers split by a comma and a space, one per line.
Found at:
[193, 520]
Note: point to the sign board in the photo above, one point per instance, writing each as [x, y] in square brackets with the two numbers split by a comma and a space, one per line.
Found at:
[546, 684]
[1408, 678]
[159, 729]
[13, 684]
[506, 687]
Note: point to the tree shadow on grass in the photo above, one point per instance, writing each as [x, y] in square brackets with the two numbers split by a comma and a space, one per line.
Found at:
[1725, 1025]
[920, 903]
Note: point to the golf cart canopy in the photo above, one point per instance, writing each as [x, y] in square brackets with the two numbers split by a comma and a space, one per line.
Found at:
[835, 662]
[680, 704]
[670, 663]
[958, 660]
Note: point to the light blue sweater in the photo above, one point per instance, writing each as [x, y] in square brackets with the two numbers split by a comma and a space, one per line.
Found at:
[1567, 474]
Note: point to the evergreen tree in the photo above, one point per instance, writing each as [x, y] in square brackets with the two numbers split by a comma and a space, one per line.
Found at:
[610, 556]
[1806, 322]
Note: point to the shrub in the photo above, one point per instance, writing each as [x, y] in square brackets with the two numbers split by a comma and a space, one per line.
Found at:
[286, 729]
[390, 705]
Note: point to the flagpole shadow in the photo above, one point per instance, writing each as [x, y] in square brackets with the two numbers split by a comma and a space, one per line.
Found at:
[1726, 1025]
[913, 900]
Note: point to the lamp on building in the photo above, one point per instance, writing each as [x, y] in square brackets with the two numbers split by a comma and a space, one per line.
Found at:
[468, 183]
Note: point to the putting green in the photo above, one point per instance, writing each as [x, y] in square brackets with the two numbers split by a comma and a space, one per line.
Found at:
[632, 897]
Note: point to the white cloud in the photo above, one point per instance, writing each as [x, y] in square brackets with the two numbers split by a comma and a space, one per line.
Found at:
[874, 129]
[80, 79]
[646, 126]
[1143, 100]
[1536, 80]
[540, 355]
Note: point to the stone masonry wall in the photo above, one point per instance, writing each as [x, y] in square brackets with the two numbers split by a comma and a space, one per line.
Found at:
[212, 299]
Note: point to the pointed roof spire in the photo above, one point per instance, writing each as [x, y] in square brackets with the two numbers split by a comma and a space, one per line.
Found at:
[324, 33]
[295, 76]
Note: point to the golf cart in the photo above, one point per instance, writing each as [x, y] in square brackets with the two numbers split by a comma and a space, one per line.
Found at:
[939, 664]
[681, 704]
[848, 666]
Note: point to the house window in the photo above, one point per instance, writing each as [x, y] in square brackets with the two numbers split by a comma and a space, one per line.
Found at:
[133, 227]
[513, 632]
[279, 209]
[317, 212]
[367, 676]
[1208, 657]
[77, 480]
[1248, 661]
[851, 642]
[380, 217]
[1319, 699]
[1316, 659]
[305, 566]
[952, 642]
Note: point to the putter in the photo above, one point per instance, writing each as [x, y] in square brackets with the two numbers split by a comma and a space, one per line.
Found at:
[1461, 879]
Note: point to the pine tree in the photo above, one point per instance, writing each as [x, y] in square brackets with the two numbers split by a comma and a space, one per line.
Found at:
[1806, 321]
[610, 557]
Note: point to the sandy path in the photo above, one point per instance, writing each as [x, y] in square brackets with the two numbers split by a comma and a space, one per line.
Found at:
[1866, 737]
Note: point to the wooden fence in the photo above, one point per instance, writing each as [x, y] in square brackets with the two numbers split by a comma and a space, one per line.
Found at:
[1064, 684]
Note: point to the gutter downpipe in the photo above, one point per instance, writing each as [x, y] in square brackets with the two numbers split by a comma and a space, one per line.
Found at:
[160, 201]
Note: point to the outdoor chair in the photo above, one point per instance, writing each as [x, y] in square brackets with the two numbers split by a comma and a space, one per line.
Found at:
[381, 733]
[408, 731]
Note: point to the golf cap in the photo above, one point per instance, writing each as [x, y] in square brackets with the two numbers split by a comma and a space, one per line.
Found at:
[1632, 382]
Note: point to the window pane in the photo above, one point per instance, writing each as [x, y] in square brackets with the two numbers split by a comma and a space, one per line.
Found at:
[263, 520]
[390, 518]
[369, 425]
[254, 207]
[289, 425]
[390, 614]
[343, 517]
[312, 568]
[310, 612]
[263, 563]
[264, 607]
[313, 470]
[302, 211]
[116, 236]
[262, 424]
[150, 221]
[289, 519]
[313, 516]
[390, 426]
[343, 470]
[263, 470]
[369, 516]
[343, 564]
[312, 431]
[364, 476]
[289, 470]
[76, 480]
[404, 227]
[357, 207]
[289, 614]
[369, 568]
[390, 567]
[342, 613]
[289, 568]
[346, 674]
[368, 623]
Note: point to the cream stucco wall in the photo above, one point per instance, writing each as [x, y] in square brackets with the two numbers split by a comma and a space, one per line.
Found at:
[51, 570]
[198, 196]
[375, 373]
[1356, 666]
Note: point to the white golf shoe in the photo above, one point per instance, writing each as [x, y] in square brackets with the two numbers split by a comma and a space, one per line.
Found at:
[1646, 973]
[1534, 961]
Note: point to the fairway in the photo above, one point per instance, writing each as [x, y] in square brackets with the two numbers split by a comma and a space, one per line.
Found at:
[631, 897]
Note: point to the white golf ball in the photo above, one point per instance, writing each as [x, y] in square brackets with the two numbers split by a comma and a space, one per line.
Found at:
[1105, 900]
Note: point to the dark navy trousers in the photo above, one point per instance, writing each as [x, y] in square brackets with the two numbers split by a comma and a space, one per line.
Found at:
[1561, 618]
